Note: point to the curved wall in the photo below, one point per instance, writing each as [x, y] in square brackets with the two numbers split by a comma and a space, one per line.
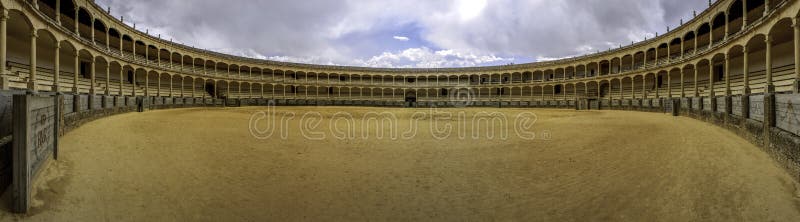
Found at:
[734, 65]
[100, 54]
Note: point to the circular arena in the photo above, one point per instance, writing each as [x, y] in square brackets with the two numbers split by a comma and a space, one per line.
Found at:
[101, 121]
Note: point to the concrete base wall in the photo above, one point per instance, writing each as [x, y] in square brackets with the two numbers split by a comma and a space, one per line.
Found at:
[782, 145]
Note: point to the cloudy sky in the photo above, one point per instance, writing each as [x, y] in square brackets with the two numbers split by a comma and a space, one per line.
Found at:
[405, 33]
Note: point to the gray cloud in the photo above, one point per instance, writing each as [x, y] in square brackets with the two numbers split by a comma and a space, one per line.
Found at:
[322, 31]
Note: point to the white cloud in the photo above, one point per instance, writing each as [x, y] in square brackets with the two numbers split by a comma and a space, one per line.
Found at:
[401, 38]
[352, 32]
[424, 57]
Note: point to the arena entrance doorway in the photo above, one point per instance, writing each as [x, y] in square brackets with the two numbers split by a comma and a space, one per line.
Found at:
[210, 90]
[411, 99]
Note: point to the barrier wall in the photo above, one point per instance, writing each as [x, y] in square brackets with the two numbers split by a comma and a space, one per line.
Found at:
[770, 121]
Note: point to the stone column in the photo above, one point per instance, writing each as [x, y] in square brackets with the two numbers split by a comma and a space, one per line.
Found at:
[727, 75]
[683, 86]
[57, 67]
[91, 75]
[585, 71]
[725, 36]
[108, 40]
[133, 88]
[92, 31]
[75, 73]
[770, 87]
[744, 17]
[696, 88]
[746, 70]
[3, 39]
[170, 86]
[108, 79]
[796, 26]
[193, 87]
[32, 75]
[669, 84]
[58, 12]
[644, 87]
[121, 71]
[158, 85]
[146, 83]
[655, 83]
[682, 51]
[710, 81]
[711, 34]
[77, 20]
[669, 52]
[633, 88]
[181, 87]
[655, 63]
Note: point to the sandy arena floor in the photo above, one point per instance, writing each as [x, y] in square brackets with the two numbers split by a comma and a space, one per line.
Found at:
[204, 165]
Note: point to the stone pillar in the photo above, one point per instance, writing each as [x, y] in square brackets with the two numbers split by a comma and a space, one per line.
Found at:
[669, 52]
[682, 51]
[58, 12]
[133, 88]
[146, 83]
[770, 87]
[75, 73]
[121, 71]
[711, 34]
[32, 75]
[644, 87]
[57, 67]
[193, 87]
[158, 85]
[727, 75]
[77, 20]
[696, 88]
[3, 39]
[744, 17]
[746, 70]
[108, 39]
[669, 84]
[683, 85]
[727, 27]
[633, 88]
[170, 86]
[108, 79]
[655, 83]
[655, 63]
[91, 75]
[710, 81]
[796, 26]
[92, 32]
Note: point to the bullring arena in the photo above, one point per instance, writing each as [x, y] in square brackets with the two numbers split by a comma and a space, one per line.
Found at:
[103, 122]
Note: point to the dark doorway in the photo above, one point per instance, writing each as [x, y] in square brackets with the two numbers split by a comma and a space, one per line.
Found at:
[411, 97]
[130, 77]
[210, 90]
